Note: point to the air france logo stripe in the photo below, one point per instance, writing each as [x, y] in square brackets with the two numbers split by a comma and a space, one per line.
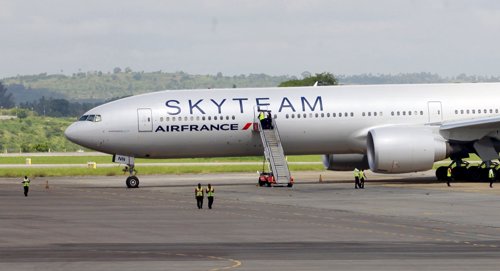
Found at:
[247, 126]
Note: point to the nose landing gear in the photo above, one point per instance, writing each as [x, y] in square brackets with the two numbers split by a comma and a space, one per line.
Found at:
[132, 180]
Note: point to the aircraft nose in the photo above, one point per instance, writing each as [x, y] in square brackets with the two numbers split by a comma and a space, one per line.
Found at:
[72, 133]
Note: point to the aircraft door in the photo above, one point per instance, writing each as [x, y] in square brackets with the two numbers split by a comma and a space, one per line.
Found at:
[145, 118]
[435, 111]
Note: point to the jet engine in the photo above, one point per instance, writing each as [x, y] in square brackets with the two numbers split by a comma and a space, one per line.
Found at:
[345, 162]
[404, 149]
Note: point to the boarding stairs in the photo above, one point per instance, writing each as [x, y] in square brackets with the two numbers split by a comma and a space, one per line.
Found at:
[273, 151]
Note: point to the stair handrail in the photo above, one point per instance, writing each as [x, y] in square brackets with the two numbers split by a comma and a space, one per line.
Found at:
[280, 146]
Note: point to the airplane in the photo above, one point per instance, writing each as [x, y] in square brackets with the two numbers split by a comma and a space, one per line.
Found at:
[385, 128]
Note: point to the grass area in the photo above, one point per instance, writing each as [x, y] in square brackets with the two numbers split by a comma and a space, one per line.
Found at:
[107, 159]
[146, 170]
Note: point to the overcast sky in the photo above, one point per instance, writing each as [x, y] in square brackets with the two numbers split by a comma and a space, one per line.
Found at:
[254, 36]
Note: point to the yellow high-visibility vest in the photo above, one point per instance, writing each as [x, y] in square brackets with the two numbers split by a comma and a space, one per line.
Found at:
[356, 173]
[26, 182]
[361, 175]
[491, 174]
[199, 191]
[261, 116]
[448, 173]
[210, 192]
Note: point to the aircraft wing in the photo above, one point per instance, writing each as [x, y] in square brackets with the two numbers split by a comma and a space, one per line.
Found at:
[470, 130]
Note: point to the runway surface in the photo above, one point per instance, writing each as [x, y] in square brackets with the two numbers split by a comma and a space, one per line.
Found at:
[404, 222]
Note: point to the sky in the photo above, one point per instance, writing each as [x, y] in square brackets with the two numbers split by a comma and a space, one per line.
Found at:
[235, 37]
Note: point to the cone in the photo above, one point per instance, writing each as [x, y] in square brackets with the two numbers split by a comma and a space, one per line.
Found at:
[320, 178]
[46, 184]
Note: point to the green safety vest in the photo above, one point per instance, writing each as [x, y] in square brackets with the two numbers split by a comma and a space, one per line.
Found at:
[210, 192]
[356, 173]
[26, 182]
[199, 192]
[361, 175]
[491, 174]
[448, 172]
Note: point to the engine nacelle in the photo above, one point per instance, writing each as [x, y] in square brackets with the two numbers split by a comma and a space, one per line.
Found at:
[404, 149]
[345, 162]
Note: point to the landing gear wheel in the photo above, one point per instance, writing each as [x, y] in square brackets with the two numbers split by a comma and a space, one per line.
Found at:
[132, 182]
[441, 173]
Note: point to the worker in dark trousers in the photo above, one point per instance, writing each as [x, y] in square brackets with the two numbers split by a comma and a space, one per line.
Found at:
[198, 192]
[362, 178]
[449, 176]
[26, 185]
[262, 119]
[491, 176]
[210, 195]
[269, 120]
[356, 178]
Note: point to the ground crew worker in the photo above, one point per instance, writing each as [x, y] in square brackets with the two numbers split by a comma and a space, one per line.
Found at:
[448, 176]
[262, 120]
[269, 120]
[362, 178]
[198, 193]
[26, 185]
[210, 195]
[491, 176]
[356, 178]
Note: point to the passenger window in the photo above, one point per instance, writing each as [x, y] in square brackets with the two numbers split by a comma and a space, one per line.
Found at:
[392, 113]
[203, 118]
[234, 117]
[167, 119]
[293, 116]
[322, 115]
[286, 116]
[327, 115]
[275, 116]
[473, 111]
[334, 115]
[305, 115]
[352, 114]
[363, 114]
[409, 113]
[468, 111]
[421, 113]
[369, 114]
[375, 114]
[398, 113]
[215, 118]
[404, 113]
[298, 116]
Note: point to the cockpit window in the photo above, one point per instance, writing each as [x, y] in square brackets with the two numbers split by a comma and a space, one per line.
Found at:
[92, 118]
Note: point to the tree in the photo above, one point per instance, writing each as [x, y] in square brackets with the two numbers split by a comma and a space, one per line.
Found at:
[323, 79]
[117, 70]
[6, 100]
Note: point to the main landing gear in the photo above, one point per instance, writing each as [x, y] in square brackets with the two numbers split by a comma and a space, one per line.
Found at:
[463, 171]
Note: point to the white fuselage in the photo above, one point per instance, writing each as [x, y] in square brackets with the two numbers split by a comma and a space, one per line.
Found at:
[311, 120]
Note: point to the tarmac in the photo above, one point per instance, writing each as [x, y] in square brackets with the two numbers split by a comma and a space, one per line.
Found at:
[403, 222]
